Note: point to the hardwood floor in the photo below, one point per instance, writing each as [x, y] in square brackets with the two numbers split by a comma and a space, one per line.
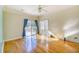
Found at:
[54, 46]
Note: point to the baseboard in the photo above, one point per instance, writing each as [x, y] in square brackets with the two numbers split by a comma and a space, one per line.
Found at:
[3, 47]
[13, 39]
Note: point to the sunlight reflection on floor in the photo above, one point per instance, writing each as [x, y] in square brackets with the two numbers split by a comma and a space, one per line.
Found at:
[69, 48]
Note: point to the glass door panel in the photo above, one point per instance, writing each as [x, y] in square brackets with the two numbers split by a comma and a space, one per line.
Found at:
[44, 34]
[30, 39]
[28, 44]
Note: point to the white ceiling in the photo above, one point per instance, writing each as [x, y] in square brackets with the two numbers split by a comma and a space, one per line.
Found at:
[33, 9]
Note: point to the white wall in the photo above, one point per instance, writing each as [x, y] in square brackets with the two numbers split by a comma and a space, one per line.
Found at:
[58, 20]
[72, 31]
[69, 17]
[13, 23]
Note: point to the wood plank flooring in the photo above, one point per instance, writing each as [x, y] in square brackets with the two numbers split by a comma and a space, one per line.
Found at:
[54, 46]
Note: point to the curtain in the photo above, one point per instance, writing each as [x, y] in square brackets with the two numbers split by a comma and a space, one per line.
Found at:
[37, 25]
[25, 23]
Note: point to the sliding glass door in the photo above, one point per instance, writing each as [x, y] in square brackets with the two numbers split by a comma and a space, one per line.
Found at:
[31, 32]
[30, 36]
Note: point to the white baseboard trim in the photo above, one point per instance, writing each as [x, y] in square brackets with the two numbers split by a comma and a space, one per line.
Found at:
[3, 47]
[12, 39]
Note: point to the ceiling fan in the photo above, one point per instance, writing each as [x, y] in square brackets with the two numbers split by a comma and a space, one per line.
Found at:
[42, 11]
[41, 8]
